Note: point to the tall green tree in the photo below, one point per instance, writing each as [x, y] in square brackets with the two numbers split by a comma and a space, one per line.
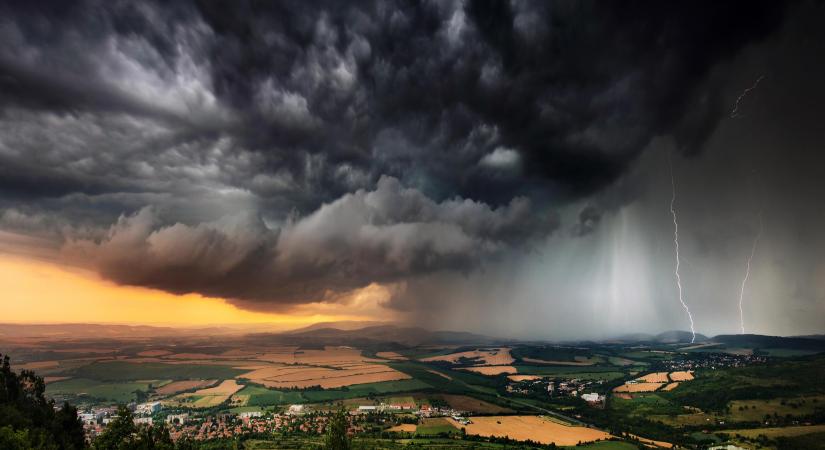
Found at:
[123, 434]
[27, 416]
[336, 437]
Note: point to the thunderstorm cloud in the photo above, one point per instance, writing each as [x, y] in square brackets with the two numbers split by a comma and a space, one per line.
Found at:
[281, 153]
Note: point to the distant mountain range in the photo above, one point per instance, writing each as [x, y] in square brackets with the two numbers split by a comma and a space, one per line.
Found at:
[342, 325]
[760, 341]
[370, 336]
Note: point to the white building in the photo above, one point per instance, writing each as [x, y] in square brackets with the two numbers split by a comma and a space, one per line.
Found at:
[295, 409]
[143, 420]
[250, 414]
[148, 408]
[592, 398]
[179, 418]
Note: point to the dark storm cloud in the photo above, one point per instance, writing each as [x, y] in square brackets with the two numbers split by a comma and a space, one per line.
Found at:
[384, 235]
[240, 124]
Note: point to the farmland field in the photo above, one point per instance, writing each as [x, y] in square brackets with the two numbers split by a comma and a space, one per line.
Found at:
[534, 428]
[362, 390]
[260, 396]
[180, 386]
[755, 410]
[589, 373]
[435, 425]
[118, 392]
[466, 403]
[308, 376]
[487, 357]
[776, 432]
[125, 371]
[638, 387]
[656, 377]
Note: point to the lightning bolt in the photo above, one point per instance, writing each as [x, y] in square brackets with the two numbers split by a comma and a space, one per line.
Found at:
[735, 111]
[676, 244]
[748, 273]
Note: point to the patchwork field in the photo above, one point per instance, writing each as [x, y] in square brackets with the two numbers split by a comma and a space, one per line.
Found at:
[638, 387]
[329, 356]
[208, 397]
[260, 396]
[308, 376]
[481, 357]
[653, 381]
[227, 387]
[657, 377]
[181, 386]
[534, 428]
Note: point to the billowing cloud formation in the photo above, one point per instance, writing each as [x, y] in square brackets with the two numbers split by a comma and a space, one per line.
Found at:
[331, 97]
[278, 153]
[386, 235]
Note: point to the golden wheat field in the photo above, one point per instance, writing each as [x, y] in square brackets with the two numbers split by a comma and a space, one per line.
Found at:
[486, 357]
[535, 428]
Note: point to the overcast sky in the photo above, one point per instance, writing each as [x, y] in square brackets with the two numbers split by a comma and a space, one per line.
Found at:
[490, 166]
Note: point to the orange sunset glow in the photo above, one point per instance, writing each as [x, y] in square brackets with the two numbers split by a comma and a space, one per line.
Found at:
[42, 292]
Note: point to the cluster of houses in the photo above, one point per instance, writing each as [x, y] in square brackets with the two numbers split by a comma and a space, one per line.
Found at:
[555, 387]
[295, 418]
[713, 361]
[383, 407]
[96, 419]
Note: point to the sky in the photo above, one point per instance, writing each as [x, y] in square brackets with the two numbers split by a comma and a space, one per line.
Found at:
[488, 166]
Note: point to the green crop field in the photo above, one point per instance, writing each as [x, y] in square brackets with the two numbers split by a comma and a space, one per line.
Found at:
[756, 410]
[433, 426]
[585, 372]
[116, 392]
[681, 420]
[243, 409]
[362, 390]
[777, 432]
[644, 355]
[126, 371]
[261, 396]
[551, 353]
[644, 405]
